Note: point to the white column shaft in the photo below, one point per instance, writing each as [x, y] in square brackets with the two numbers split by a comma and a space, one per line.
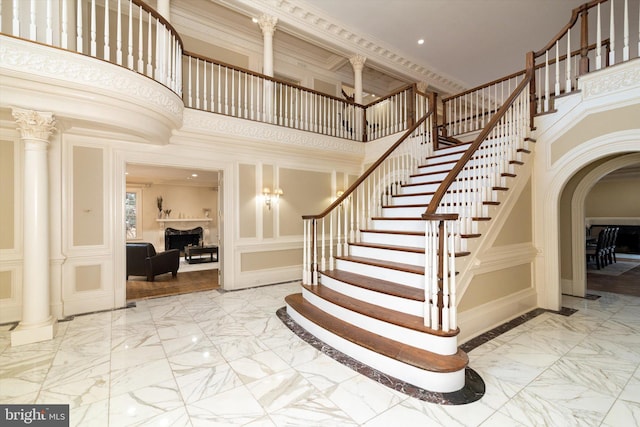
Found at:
[164, 9]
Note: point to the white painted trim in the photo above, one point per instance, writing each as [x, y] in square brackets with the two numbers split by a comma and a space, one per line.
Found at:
[483, 318]
[423, 340]
[433, 381]
[578, 223]
[501, 257]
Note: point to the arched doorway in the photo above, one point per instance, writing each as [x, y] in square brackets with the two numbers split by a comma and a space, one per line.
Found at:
[579, 282]
[551, 184]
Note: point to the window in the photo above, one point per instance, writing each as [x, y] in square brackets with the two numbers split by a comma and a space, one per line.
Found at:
[133, 214]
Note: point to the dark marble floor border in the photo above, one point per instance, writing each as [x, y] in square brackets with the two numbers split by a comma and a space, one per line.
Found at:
[507, 326]
[587, 296]
[472, 391]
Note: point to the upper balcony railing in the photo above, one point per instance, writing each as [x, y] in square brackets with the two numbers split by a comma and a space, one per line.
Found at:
[125, 32]
[131, 34]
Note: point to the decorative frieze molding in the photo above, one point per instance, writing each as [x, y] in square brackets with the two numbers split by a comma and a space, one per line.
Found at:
[622, 77]
[302, 15]
[34, 125]
[29, 58]
[207, 123]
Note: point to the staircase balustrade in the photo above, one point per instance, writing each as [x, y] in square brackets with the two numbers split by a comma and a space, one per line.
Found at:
[328, 234]
[143, 41]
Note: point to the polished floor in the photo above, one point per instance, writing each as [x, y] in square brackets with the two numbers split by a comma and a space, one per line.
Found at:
[224, 358]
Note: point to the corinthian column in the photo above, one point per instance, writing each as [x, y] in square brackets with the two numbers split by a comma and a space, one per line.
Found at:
[357, 62]
[268, 26]
[37, 324]
[164, 9]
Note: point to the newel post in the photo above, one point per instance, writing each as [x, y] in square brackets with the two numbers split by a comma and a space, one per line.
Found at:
[411, 107]
[433, 106]
[584, 42]
[530, 67]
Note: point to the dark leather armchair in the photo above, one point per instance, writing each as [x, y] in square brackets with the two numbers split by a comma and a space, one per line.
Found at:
[142, 260]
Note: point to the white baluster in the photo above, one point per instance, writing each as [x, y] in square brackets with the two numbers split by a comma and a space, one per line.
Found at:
[345, 242]
[64, 17]
[338, 244]
[546, 81]
[568, 88]
[625, 48]
[150, 50]
[435, 324]
[453, 320]
[323, 260]
[119, 34]
[130, 38]
[226, 90]
[212, 105]
[445, 280]
[598, 39]
[106, 52]
[557, 82]
[33, 28]
[15, 29]
[612, 35]
[304, 252]
[79, 41]
[140, 43]
[49, 27]
[190, 93]
[427, 273]
[94, 44]
[331, 258]
[314, 271]
[197, 87]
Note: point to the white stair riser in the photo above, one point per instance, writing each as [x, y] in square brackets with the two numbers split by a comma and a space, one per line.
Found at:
[404, 212]
[411, 200]
[434, 343]
[398, 225]
[443, 382]
[401, 277]
[432, 177]
[445, 167]
[391, 302]
[387, 255]
[445, 158]
[397, 239]
[423, 188]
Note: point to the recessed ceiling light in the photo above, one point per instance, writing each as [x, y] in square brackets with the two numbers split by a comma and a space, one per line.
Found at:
[254, 20]
[194, 175]
[421, 41]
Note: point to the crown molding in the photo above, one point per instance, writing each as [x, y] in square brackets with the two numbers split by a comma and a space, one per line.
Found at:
[307, 22]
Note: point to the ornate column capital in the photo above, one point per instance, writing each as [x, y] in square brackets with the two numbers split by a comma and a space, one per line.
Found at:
[267, 24]
[357, 62]
[34, 125]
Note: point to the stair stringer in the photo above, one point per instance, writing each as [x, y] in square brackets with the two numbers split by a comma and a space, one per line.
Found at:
[481, 260]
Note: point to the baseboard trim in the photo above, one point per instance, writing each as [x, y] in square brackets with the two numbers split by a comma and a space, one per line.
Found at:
[487, 316]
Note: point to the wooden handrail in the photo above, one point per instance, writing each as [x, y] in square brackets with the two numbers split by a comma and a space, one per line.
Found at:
[370, 170]
[453, 173]
[273, 79]
[157, 15]
[402, 89]
[605, 42]
[575, 13]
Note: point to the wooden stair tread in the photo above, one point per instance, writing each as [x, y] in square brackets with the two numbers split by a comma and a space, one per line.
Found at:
[377, 285]
[408, 268]
[386, 315]
[413, 356]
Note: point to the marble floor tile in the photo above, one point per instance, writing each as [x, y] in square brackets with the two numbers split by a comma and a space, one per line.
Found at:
[233, 407]
[361, 398]
[225, 358]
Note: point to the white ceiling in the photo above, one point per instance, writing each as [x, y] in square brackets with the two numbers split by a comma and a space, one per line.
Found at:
[161, 175]
[471, 41]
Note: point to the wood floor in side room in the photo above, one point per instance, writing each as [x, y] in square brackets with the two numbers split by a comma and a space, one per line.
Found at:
[165, 284]
[627, 283]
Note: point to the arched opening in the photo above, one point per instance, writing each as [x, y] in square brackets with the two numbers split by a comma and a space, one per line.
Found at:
[615, 147]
